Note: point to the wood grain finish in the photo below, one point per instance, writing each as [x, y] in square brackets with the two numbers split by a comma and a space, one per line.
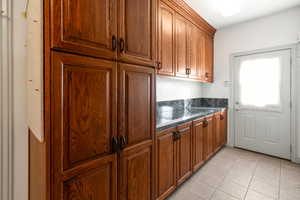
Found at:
[184, 151]
[208, 137]
[84, 26]
[185, 47]
[181, 46]
[197, 54]
[209, 56]
[136, 173]
[93, 185]
[166, 163]
[218, 131]
[224, 127]
[136, 123]
[198, 144]
[137, 28]
[83, 122]
[136, 89]
[166, 40]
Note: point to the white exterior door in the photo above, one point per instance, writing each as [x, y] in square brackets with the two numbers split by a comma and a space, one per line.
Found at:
[263, 103]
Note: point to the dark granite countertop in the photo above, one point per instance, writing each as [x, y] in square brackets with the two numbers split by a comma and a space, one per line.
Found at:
[168, 116]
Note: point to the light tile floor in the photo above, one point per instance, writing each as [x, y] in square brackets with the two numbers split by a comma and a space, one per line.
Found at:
[235, 174]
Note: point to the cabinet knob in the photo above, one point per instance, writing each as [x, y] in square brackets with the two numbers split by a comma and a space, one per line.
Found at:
[115, 145]
[188, 71]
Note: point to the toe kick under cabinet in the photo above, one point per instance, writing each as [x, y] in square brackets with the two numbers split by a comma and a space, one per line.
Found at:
[184, 149]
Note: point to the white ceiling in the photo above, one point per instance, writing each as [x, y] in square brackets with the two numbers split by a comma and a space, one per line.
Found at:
[249, 9]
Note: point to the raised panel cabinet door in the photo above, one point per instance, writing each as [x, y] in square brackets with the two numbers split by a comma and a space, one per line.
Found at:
[166, 168]
[83, 107]
[136, 177]
[218, 131]
[198, 144]
[197, 53]
[182, 30]
[209, 57]
[136, 103]
[166, 40]
[137, 31]
[87, 27]
[184, 153]
[209, 134]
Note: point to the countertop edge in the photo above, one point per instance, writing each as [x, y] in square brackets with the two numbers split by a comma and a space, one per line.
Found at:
[177, 123]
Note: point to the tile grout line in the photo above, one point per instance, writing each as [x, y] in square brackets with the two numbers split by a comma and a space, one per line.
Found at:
[251, 180]
[279, 179]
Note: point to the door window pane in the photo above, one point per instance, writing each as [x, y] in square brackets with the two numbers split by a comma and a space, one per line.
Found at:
[260, 82]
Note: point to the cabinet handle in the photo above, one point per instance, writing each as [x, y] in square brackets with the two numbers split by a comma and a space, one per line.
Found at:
[114, 42]
[205, 124]
[188, 71]
[206, 74]
[222, 117]
[122, 45]
[123, 142]
[115, 145]
[159, 65]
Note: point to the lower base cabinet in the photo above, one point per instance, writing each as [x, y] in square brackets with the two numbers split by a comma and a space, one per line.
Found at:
[184, 149]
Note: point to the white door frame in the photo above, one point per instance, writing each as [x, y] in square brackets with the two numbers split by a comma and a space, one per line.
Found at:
[6, 101]
[292, 48]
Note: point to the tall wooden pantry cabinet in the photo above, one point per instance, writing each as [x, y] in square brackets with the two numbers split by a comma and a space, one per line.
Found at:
[99, 82]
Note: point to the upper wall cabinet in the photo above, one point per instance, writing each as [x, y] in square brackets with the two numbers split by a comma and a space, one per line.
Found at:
[123, 30]
[166, 46]
[137, 25]
[185, 42]
[86, 27]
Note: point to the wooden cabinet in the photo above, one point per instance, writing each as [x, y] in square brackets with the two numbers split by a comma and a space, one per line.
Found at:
[197, 53]
[209, 56]
[208, 137]
[89, 27]
[136, 128]
[182, 32]
[166, 41]
[198, 144]
[86, 27]
[137, 31]
[184, 152]
[218, 131]
[185, 43]
[166, 163]
[83, 125]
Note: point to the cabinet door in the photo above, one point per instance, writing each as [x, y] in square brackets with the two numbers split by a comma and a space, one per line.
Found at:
[218, 131]
[166, 41]
[209, 133]
[198, 144]
[182, 30]
[184, 153]
[83, 102]
[209, 56]
[197, 61]
[166, 176]
[137, 29]
[136, 126]
[86, 27]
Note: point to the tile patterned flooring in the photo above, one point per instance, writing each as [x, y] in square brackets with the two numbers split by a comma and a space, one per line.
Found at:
[235, 174]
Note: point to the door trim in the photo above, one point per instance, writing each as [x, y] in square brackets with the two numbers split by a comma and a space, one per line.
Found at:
[6, 100]
[293, 49]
